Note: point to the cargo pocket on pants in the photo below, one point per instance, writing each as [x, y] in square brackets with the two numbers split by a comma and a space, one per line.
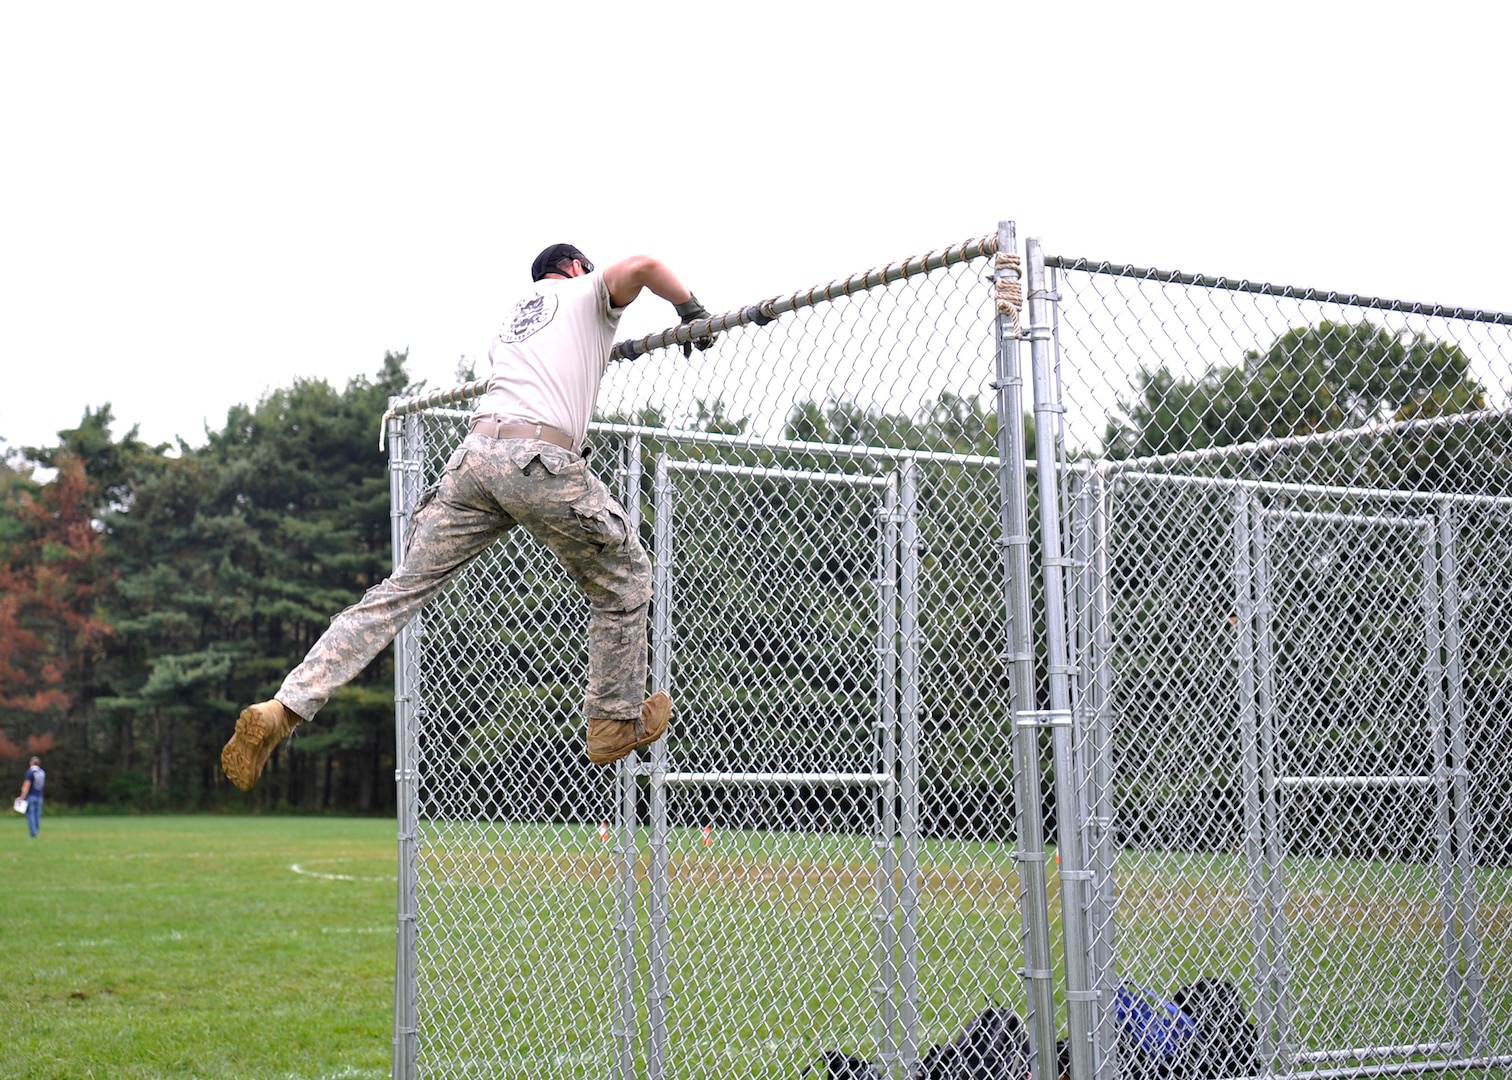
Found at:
[601, 518]
[428, 496]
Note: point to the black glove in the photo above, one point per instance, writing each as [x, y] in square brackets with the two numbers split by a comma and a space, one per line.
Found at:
[690, 310]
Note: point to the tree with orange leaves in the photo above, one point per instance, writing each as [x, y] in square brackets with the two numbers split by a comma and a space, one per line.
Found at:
[51, 571]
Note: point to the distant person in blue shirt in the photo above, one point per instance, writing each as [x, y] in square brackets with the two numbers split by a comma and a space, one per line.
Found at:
[31, 791]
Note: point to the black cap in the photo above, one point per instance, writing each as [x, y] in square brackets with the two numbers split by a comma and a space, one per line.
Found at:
[550, 261]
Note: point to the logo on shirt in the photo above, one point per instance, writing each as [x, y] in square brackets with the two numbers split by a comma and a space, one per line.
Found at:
[528, 316]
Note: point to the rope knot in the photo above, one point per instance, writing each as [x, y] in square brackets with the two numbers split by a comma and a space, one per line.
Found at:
[1009, 290]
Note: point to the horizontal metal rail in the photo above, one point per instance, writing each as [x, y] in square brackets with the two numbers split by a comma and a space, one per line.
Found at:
[1377, 429]
[1281, 487]
[791, 446]
[1331, 518]
[796, 475]
[1367, 1052]
[1398, 1068]
[798, 446]
[1355, 781]
[796, 779]
[1265, 288]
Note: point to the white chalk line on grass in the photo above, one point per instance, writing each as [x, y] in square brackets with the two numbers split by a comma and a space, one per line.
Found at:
[349, 1072]
[338, 877]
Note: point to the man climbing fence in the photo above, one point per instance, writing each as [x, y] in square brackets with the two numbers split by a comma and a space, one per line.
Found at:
[524, 464]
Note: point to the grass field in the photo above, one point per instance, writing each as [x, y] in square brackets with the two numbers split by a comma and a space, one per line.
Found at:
[138, 947]
[212, 947]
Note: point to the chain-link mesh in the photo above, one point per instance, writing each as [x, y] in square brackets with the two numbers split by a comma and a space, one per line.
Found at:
[1258, 672]
[1288, 522]
[817, 859]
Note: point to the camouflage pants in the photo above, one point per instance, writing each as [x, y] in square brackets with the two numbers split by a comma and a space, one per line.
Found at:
[490, 486]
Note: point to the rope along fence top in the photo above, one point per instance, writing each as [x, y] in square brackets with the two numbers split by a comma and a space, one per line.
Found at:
[1009, 301]
[1009, 296]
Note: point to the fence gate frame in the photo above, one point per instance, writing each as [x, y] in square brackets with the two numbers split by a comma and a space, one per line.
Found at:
[895, 778]
[406, 448]
[1266, 781]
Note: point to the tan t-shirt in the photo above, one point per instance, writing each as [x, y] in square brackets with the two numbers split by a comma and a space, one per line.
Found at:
[550, 355]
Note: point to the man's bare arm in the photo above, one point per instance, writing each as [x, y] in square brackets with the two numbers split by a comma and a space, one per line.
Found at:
[627, 278]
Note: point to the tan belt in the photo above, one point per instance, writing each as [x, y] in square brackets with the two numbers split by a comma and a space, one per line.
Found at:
[497, 428]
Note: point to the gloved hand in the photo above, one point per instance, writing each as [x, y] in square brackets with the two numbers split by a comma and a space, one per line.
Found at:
[690, 310]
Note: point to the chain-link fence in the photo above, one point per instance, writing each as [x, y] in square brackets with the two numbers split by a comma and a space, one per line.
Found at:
[1249, 685]
[1288, 518]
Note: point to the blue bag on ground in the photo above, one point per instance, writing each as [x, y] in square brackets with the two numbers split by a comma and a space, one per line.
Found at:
[1156, 1026]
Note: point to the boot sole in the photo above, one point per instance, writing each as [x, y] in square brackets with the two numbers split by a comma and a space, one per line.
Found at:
[609, 759]
[241, 754]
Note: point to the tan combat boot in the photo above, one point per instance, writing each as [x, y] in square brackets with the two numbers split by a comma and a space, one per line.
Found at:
[610, 740]
[259, 729]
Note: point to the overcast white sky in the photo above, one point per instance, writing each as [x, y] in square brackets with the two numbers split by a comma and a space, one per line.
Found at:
[203, 201]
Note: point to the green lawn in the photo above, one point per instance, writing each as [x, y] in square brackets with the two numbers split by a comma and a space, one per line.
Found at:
[216, 946]
[191, 947]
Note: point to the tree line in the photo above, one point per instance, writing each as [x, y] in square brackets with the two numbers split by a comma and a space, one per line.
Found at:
[148, 592]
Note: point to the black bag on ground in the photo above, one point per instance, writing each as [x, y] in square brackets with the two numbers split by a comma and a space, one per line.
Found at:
[1227, 1039]
[994, 1046]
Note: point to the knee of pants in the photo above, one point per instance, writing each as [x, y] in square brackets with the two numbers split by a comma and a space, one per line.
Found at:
[640, 571]
[631, 599]
[625, 584]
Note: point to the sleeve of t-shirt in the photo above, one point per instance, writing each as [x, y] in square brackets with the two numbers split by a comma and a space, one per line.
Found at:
[606, 303]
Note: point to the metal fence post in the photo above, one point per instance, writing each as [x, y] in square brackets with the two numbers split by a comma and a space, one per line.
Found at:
[908, 935]
[1467, 902]
[1073, 870]
[1013, 488]
[1272, 842]
[1245, 546]
[628, 785]
[887, 792]
[661, 676]
[1093, 728]
[1439, 771]
[1105, 950]
[406, 464]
